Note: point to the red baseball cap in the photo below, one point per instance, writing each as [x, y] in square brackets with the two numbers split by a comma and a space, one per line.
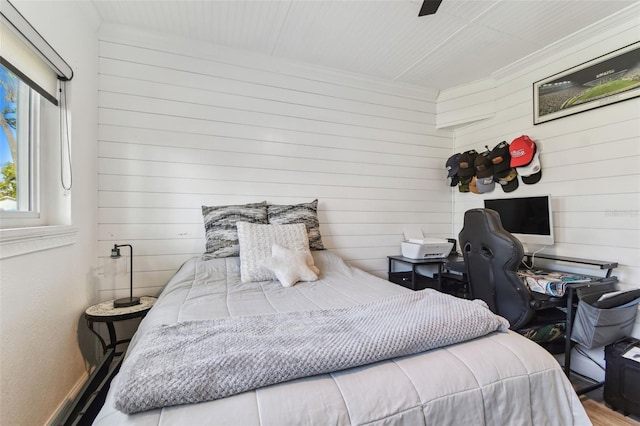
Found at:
[522, 150]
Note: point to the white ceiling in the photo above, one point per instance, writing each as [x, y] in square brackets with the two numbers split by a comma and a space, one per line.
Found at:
[464, 41]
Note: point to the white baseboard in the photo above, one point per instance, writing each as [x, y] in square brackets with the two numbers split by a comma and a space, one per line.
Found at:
[53, 420]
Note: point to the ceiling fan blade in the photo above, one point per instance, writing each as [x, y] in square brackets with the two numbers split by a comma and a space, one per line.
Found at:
[429, 7]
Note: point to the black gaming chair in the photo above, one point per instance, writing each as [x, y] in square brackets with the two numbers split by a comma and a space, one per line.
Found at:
[492, 255]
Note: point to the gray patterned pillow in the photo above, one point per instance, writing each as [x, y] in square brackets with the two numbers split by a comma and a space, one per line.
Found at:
[306, 213]
[220, 226]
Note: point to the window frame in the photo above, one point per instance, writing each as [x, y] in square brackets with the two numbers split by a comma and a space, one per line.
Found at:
[34, 61]
[29, 104]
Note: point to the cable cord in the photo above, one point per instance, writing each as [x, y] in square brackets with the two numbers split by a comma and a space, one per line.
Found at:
[584, 354]
[533, 260]
[64, 137]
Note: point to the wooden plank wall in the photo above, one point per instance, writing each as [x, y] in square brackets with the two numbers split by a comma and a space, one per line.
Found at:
[589, 160]
[182, 124]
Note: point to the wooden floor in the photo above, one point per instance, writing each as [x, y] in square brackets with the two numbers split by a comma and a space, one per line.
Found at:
[593, 403]
[601, 415]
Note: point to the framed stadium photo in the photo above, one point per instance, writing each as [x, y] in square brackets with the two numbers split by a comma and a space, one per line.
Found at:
[608, 79]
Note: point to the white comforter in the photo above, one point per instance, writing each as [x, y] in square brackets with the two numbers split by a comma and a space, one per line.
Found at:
[501, 379]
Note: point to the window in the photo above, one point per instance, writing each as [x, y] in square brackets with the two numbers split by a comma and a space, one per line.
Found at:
[20, 122]
[31, 121]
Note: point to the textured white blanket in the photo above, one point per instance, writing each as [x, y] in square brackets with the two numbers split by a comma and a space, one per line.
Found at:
[198, 361]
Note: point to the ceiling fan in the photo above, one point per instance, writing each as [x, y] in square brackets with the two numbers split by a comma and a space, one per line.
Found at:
[429, 7]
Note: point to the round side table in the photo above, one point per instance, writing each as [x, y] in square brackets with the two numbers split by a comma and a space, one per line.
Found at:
[106, 313]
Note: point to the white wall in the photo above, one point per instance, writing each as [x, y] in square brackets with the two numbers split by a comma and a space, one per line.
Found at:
[589, 160]
[182, 124]
[43, 294]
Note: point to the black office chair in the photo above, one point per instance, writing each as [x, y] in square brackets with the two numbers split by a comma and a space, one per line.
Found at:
[492, 256]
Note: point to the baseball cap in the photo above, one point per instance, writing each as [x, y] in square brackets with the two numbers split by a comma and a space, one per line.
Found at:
[473, 185]
[485, 184]
[483, 166]
[532, 172]
[522, 150]
[509, 182]
[463, 186]
[500, 157]
[465, 163]
[531, 168]
[534, 178]
[452, 165]
[500, 175]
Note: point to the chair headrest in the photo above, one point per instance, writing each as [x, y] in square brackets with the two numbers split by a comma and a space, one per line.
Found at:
[483, 228]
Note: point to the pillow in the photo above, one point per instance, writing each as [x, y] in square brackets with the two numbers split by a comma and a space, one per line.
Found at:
[220, 226]
[290, 266]
[306, 213]
[256, 242]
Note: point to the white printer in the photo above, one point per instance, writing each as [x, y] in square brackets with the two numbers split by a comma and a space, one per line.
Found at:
[426, 248]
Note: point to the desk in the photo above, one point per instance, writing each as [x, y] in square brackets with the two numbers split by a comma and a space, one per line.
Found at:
[573, 291]
[413, 280]
[609, 266]
[597, 284]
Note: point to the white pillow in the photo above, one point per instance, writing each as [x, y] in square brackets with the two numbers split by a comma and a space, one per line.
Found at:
[290, 266]
[256, 242]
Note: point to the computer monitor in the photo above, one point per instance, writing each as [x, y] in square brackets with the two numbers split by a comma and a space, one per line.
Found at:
[530, 219]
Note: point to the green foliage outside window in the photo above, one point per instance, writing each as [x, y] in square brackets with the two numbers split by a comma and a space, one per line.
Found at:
[8, 183]
[8, 122]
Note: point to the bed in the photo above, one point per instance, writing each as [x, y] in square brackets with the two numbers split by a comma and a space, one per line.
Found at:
[498, 379]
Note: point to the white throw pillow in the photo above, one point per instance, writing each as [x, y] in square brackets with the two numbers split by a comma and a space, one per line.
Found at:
[256, 242]
[290, 266]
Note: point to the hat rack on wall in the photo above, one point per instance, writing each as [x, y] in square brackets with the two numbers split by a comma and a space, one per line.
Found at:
[479, 173]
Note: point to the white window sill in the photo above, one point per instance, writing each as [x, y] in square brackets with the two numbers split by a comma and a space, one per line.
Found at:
[20, 241]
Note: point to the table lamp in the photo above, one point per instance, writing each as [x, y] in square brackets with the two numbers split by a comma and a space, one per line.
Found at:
[125, 301]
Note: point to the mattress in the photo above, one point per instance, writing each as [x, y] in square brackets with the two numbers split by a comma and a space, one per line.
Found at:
[499, 379]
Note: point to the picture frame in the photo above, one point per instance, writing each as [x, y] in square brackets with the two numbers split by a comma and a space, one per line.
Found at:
[608, 79]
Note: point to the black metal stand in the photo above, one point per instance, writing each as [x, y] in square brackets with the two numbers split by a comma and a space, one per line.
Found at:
[112, 316]
[412, 279]
[126, 301]
[113, 341]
